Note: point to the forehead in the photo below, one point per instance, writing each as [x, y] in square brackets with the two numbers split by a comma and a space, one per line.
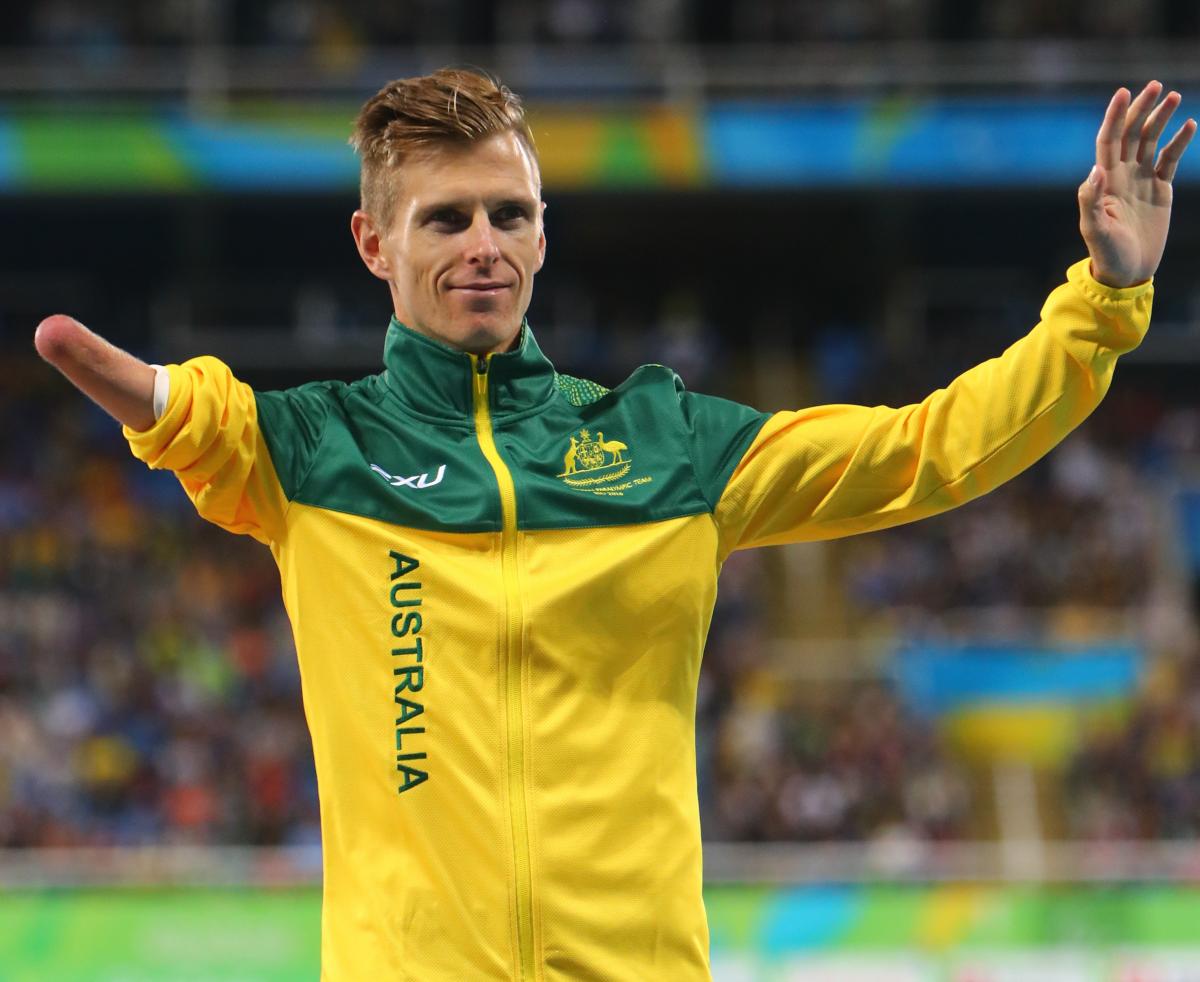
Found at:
[498, 166]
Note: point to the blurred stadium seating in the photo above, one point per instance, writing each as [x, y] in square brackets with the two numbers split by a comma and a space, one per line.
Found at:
[176, 175]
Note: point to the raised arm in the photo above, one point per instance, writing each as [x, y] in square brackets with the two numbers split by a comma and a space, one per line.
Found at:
[119, 383]
[828, 471]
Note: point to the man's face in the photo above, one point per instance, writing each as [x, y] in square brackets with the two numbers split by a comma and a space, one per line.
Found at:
[464, 243]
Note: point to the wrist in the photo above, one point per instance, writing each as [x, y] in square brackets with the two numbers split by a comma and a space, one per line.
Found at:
[1111, 281]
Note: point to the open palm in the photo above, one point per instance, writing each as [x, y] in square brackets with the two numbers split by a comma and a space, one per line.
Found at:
[1125, 204]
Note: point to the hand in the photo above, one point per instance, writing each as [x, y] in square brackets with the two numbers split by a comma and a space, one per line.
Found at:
[1125, 204]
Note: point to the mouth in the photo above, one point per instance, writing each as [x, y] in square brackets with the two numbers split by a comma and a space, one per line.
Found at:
[485, 288]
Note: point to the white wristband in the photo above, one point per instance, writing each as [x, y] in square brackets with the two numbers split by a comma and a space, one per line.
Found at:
[162, 390]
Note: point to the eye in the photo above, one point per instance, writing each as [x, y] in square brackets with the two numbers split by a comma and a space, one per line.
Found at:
[448, 219]
[509, 215]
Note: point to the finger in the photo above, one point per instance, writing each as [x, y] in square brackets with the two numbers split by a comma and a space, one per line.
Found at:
[1168, 159]
[1135, 118]
[1108, 146]
[1155, 124]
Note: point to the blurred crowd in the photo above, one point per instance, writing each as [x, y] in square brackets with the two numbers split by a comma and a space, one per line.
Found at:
[1076, 550]
[1138, 777]
[324, 24]
[1076, 533]
[814, 762]
[148, 686]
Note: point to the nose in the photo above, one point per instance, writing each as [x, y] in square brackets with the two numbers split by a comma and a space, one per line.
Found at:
[482, 249]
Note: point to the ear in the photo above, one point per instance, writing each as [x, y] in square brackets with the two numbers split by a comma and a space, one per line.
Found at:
[369, 242]
[541, 238]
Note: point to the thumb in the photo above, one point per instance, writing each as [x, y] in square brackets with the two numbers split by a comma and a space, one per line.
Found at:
[1091, 200]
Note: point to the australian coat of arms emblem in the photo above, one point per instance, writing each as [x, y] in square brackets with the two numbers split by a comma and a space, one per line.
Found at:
[597, 464]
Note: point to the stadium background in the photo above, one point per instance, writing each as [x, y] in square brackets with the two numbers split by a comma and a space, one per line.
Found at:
[968, 749]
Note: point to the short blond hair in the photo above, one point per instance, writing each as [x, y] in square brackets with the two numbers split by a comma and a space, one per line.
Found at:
[453, 106]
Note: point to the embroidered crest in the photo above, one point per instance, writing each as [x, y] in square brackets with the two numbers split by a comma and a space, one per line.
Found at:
[598, 464]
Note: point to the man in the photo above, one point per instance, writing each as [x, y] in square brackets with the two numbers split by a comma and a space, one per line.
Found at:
[500, 578]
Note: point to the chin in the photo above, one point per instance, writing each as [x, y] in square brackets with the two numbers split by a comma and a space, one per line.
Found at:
[486, 335]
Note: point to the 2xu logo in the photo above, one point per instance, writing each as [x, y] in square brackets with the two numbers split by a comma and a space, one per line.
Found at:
[416, 481]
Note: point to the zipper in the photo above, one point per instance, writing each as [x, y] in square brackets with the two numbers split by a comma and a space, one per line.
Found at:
[512, 665]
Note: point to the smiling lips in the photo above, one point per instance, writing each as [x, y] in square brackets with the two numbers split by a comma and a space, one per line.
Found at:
[484, 287]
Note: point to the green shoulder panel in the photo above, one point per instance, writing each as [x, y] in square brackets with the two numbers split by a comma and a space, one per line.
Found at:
[292, 423]
[719, 432]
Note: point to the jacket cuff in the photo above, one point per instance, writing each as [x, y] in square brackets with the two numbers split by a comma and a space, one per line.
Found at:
[1080, 274]
[149, 445]
[162, 390]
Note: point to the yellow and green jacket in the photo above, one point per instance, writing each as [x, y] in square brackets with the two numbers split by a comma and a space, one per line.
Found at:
[500, 579]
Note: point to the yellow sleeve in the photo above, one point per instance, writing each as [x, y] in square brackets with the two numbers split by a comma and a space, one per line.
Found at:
[209, 436]
[830, 471]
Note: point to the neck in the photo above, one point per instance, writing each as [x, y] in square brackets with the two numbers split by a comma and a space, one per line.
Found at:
[479, 344]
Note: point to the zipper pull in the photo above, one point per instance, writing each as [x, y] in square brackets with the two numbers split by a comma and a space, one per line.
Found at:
[481, 364]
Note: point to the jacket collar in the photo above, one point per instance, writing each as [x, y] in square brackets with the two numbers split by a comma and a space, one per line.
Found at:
[435, 380]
